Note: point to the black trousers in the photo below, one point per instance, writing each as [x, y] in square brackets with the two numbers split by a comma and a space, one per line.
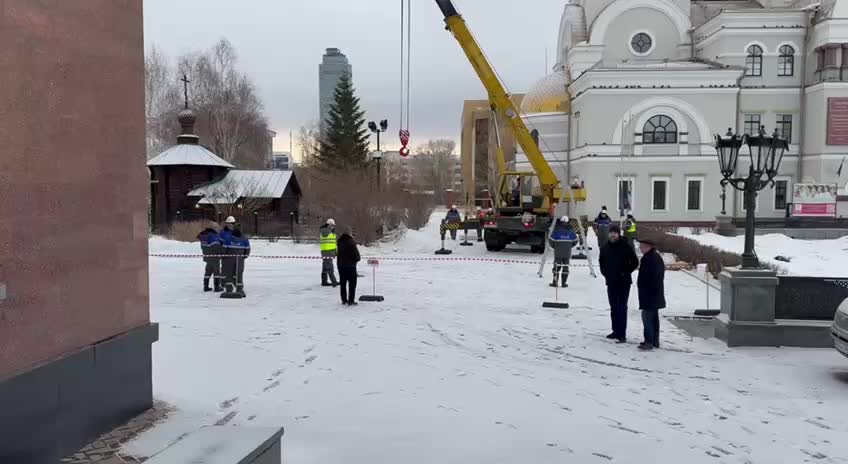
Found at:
[651, 323]
[239, 273]
[561, 268]
[213, 267]
[228, 271]
[618, 295]
[347, 279]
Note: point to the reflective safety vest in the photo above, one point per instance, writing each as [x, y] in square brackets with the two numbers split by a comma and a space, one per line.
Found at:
[328, 242]
[630, 229]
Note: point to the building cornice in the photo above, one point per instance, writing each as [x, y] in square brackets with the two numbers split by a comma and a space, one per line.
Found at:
[648, 79]
[771, 18]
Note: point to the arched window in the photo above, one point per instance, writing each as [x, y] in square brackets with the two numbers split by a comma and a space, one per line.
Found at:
[754, 61]
[786, 61]
[659, 129]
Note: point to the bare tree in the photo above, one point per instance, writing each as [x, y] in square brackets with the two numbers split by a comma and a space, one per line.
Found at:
[160, 93]
[309, 143]
[433, 165]
[230, 115]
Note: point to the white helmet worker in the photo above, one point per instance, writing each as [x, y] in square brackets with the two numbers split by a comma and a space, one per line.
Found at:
[231, 220]
[331, 222]
[564, 219]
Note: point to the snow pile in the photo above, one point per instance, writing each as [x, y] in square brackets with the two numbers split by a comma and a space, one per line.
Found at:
[815, 258]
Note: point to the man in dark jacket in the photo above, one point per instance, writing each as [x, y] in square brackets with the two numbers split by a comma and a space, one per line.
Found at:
[212, 248]
[651, 288]
[348, 257]
[618, 261]
[227, 230]
[236, 251]
[453, 217]
[602, 226]
[562, 240]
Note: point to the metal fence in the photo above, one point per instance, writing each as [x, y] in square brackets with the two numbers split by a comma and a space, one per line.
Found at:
[810, 298]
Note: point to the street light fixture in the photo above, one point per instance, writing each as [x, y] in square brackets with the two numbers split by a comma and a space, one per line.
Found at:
[766, 153]
[378, 155]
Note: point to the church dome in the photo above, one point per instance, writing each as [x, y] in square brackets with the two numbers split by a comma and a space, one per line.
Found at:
[549, 95]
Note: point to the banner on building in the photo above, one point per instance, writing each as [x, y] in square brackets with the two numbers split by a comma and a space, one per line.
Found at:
[814, 200]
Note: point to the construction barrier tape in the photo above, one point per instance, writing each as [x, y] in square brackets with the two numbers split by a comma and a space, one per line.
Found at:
[383, 258]
[669, 267]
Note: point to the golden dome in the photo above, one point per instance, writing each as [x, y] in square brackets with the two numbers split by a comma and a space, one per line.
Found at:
[549, 95]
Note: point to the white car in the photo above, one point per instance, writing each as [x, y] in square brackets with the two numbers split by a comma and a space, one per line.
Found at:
[840, 329]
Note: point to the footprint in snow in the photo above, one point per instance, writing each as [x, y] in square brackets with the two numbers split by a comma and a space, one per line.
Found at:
[226, 419]
[228, 403]
[271, 386]
[508, 425]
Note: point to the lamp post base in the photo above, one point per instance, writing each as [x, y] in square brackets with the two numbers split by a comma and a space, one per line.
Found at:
[750, 262]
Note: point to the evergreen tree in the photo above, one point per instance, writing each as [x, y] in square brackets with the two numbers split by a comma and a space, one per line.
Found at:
[344, 144]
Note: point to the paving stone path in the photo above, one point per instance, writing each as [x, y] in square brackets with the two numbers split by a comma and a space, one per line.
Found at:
[107, 448]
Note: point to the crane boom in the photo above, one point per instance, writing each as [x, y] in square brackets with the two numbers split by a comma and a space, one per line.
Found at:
[501, 101]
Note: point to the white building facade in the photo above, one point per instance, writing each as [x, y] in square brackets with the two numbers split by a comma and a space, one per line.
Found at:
[651, 82]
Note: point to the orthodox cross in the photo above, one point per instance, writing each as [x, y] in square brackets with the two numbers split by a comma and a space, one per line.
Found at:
[185, 82]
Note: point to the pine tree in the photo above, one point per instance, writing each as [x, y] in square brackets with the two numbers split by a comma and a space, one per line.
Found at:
[344, 144]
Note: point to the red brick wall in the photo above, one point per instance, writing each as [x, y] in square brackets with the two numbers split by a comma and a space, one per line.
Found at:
[73, 181]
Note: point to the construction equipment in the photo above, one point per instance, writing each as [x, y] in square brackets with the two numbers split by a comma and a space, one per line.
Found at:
[525, 200]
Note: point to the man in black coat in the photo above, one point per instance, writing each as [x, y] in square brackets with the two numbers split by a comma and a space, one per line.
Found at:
[651, 293]
[348, 257]
[618, 261]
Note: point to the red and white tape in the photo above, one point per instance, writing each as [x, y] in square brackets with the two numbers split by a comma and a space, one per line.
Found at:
[382, 258]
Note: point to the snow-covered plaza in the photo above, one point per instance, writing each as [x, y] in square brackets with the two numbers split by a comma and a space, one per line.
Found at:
[461, 364]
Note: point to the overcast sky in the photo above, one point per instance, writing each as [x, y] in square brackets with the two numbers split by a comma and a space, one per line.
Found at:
[280, 44]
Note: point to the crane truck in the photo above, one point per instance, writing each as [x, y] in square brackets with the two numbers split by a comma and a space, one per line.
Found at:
[525, 201]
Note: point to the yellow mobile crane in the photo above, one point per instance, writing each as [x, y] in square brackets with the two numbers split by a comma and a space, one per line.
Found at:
[520, 218]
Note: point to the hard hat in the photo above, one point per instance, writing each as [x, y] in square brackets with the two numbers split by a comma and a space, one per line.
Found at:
[453, 206]
[331, 222]
[564, 219]
[231, 220]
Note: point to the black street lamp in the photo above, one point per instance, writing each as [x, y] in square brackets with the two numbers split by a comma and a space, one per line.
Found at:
[766, 153]
[378, 155]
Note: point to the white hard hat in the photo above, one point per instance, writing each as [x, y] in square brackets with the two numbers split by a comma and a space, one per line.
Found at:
[564, 219]
[453, 206]
[231, 220]
[331, 222]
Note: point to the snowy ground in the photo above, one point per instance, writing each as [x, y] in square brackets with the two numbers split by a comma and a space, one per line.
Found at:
[462, 365]
[816, 258]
